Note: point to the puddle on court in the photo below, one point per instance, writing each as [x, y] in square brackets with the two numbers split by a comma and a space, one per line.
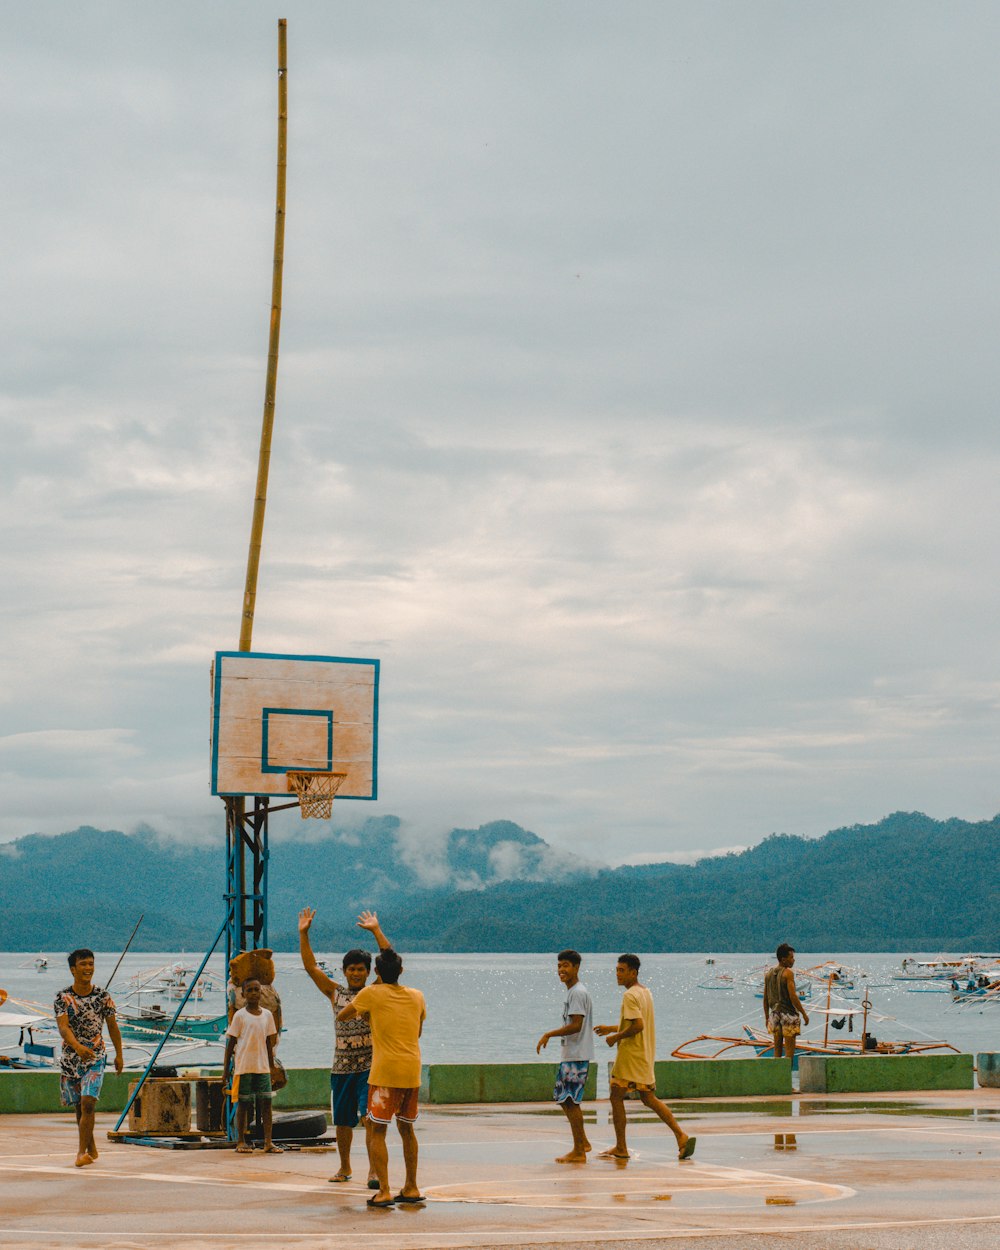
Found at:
[987, 1115]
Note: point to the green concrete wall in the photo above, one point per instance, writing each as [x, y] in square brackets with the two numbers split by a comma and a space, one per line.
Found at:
[34, 1092]
[307, 1088]
[722, 1078]
[988, 1066]
[853, 1074]
[494, 1082]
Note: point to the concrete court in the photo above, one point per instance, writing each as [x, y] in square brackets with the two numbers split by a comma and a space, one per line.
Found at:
[890, 1172]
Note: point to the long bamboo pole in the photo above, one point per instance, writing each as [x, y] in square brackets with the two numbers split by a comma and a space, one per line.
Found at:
[267, 426]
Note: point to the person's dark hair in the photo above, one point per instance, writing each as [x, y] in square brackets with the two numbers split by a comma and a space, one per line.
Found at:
[783, 950]
[388, 965]
[570, 956]
[249, 981]
[357, 957]
[82, 953]
[630, 961]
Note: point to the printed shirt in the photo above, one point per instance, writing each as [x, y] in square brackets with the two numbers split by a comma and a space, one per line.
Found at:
[252, 1032]
[396, 1013]
[352, 1047]
[637, 1053]
[578, 1046]
[87, 1013]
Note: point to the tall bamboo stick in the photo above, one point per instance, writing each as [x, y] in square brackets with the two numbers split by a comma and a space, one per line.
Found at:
[238, 810]
[264, 459]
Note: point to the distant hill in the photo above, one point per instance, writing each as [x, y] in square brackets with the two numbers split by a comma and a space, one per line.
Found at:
[906, 883]
[89, 886]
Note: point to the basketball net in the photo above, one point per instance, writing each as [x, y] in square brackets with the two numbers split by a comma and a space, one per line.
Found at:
[315, 792]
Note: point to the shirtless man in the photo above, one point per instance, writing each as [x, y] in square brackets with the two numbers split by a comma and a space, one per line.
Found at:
[577, 1046]
[352, 1049]
[782, 1007]
[635, 1037]
[81, 1011]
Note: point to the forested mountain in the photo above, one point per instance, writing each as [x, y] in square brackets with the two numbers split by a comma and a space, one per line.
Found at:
[906, 883]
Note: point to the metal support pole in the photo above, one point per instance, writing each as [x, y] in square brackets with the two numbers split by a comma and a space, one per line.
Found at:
[163, 1040]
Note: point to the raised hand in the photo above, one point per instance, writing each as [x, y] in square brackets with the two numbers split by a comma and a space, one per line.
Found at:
[306, 916]
[368, 920]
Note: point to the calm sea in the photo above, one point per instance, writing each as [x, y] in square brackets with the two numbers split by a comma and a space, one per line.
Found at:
[493, 1008]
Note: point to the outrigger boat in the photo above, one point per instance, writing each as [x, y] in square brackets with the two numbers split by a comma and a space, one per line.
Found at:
[948, 969]
[982, 991]
[29, 1053]
[717, 1046]
[146, 1022]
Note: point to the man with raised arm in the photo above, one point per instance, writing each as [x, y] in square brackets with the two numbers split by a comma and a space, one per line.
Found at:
[635, 1038]
[82, 1010]
[352, 1050]
[397, 1016]
[577, 1045]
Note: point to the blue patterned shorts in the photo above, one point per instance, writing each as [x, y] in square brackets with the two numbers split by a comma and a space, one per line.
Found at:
[86, 1085]
[570, 1080]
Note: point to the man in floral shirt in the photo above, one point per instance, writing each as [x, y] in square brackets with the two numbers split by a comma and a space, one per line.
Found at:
[81, 1011]
[352, 1051]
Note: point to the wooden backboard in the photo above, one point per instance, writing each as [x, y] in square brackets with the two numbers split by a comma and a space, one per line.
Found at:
[275, 713]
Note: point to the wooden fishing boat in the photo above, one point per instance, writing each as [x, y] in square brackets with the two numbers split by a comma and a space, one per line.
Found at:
[150, 1022]
[837, 1016]
[28, 1051]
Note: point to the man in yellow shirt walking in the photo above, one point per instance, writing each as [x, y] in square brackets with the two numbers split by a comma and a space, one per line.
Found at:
[635, 1038]
[397, 1016]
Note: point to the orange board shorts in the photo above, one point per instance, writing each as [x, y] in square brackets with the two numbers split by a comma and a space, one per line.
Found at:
[384, 1102]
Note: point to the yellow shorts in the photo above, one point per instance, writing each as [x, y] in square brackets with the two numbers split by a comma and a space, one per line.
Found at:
[639, 1086]
[785, 1024]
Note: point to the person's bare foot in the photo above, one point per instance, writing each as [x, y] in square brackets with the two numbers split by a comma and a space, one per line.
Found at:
[83, 1159]
[613, 1153]
[573, 1157]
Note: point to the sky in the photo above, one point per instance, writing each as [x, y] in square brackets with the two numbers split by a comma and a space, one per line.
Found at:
[636, 407]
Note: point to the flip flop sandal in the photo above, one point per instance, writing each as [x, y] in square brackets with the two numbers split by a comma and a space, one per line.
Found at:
[410, 1199]
[381, 1202]
[274, 1150]
[244, 1149]
[688, 1149]
[340, 1178]
[373, 1184]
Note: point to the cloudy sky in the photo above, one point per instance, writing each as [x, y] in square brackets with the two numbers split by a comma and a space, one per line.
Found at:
[636, 407]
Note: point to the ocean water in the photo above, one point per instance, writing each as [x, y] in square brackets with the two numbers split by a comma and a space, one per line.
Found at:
[493, 1008]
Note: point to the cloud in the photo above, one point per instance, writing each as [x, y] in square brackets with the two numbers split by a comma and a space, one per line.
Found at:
[635, 407]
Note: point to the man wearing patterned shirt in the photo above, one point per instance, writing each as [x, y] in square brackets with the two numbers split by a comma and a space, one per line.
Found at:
[352, 1051]
[81, 1011]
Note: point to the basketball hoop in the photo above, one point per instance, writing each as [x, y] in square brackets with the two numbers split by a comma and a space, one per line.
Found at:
[315, 792]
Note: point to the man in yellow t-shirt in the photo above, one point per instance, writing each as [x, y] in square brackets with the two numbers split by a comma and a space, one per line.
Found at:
[397, 1016]
[635, 1038]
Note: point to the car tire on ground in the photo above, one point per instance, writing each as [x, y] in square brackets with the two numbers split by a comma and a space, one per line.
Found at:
[293, 1126]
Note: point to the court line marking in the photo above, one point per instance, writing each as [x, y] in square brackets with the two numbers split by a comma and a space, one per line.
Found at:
[524, 1237]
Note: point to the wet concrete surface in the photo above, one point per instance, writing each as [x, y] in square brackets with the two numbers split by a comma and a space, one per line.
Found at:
[883, 1173]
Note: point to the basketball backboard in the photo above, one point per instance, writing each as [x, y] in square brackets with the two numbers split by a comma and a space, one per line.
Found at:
[272, 714]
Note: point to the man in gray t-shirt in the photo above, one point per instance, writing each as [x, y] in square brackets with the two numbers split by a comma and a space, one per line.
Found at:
[577, 1041]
